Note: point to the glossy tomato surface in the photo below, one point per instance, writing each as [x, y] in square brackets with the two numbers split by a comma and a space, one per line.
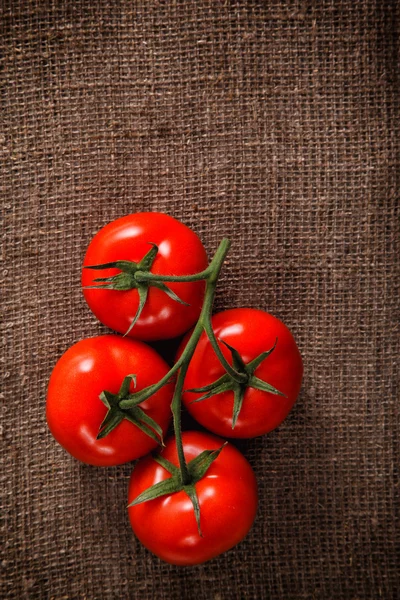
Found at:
[180, 252]
[227, 496]
[251, 332]
[75, 412]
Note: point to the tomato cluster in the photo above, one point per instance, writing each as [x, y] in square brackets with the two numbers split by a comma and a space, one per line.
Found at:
[111, 398]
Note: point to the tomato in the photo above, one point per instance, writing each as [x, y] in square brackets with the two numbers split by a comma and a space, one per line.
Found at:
[227, 496]
[180, 252]
[75, 412]
[251, 332]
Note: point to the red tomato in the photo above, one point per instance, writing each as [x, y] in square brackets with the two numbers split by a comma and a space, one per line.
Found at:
[227, 497]
[75, 412]
[180, 252]
[251, 332]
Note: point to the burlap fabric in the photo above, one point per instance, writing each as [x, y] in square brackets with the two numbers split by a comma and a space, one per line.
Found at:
[272, 123]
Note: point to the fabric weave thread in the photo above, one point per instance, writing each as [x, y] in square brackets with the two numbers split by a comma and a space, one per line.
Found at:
[272, 123]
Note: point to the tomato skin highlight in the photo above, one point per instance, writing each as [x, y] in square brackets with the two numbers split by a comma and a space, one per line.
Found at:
[180, 252]
[251, 332]
[227, 496]
[75, 412]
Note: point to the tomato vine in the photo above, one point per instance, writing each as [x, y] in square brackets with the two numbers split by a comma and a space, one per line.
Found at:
[239, 371]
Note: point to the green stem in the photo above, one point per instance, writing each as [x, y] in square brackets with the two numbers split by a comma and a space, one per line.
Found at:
[205, 315]
[177, 420]
[147, 277]
[211, 275]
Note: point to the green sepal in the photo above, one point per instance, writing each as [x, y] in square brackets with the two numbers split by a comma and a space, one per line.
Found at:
[237, 360]
[252, 365]
[99, 287]
[197, 468]
[127, 266]
[221, 385]
[164, 288]
[210, 386]
[147, 261]
[143, 288]
[121, 282]
[108, 279]
[259, 384]
[143, 291]
[162, 488]
[126, 280]
[238, 397]
[227, 383]
[168, 466]
[191, 492]
[149, 426]
[126, 384]
[218, 389]
[108, 399]
[134, 415]
[112, 419]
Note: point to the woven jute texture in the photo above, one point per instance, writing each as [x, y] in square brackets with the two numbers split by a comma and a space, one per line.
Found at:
[272, 123]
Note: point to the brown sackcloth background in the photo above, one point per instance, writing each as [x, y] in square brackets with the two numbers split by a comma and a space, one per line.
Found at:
[272, 123]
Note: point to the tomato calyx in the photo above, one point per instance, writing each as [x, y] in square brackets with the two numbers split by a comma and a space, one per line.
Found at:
[131, 277]
[197, 468]
[228, 383]
[134, 415]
